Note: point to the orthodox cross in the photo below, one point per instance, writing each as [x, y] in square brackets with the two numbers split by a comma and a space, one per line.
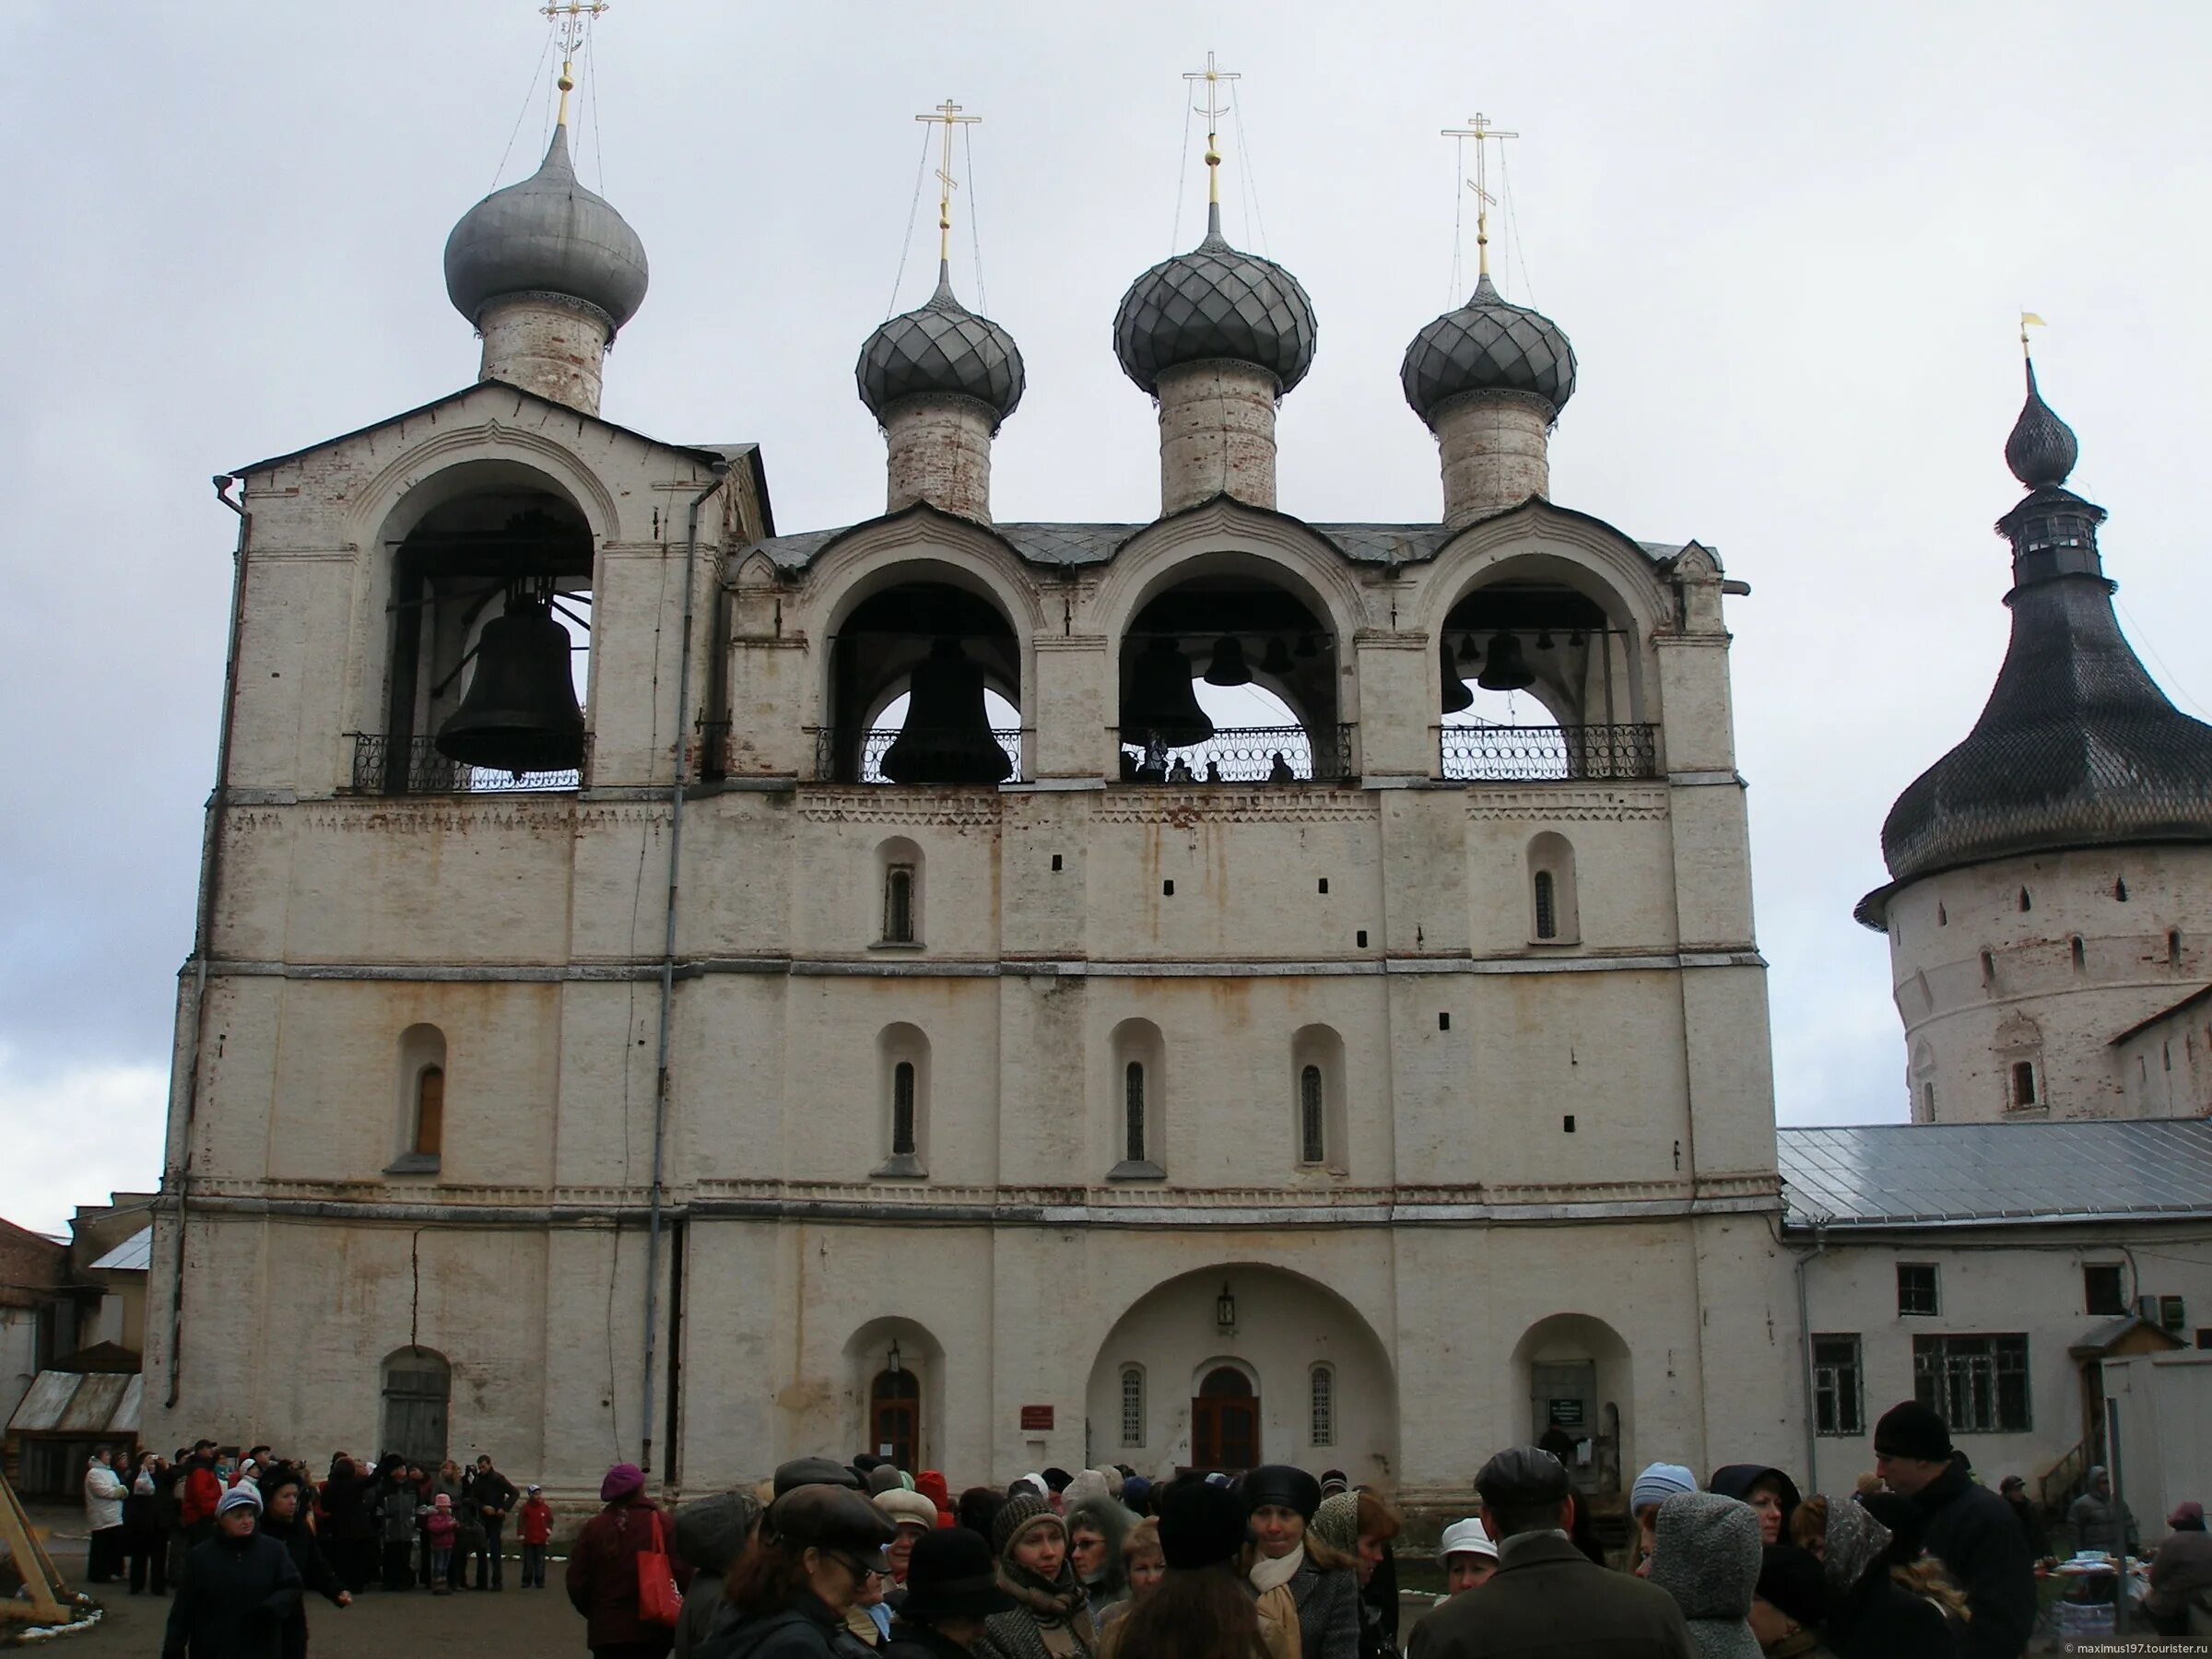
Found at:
[1482, 132]
[946, 114]
[571, 21]
[1212, 76]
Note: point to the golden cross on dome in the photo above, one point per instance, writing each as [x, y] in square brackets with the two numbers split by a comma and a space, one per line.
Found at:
[948, 115]
[1482, 132]
[572, 21]
[1212, 76]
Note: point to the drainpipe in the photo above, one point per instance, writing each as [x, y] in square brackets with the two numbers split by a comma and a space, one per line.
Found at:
[203, 930]
[721, 470]
[1804, 1356]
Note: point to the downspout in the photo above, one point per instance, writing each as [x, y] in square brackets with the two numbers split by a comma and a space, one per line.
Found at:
[203, 930]
[675, 849]
[1804, 1356]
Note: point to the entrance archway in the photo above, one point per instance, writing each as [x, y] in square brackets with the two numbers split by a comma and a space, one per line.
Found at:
[1576, 1374]
[895, 1417]
[1224, 1422]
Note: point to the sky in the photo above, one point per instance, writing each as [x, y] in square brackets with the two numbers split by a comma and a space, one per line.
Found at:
[1789, 243]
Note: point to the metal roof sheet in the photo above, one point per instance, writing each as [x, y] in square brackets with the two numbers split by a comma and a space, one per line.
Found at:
[79, 1403]
[1985, 1175]
[134, 1255]
[93, 1406]
[41, 1408]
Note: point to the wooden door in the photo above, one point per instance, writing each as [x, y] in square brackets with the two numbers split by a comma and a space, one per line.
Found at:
[1224, 1422]
[895, 1417]
[417, 1384]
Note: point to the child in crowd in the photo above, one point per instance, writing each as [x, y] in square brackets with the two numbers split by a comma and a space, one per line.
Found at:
[439, 1527]
[536, 1520]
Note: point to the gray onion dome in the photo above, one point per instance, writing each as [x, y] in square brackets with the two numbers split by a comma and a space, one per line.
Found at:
[546, 235]
[942, 349]
[2042, 448]
[1215, 301]
[1488, 344]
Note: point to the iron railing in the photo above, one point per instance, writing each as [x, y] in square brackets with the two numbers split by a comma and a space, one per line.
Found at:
[835, 751]
[1510, 753]
[1244, 755]
[383, 764]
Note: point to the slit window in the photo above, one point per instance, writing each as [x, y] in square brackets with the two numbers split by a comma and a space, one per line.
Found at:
[1547, 906]
[1133, 1405]
[898, 905]
[2080, 954]
[1133, 1110]
[2174, 947]
[902, 1109]
[2023, 1084]
[1312, 1117]
[430, 1111]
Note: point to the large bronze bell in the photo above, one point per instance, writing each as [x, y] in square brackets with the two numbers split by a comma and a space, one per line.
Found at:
[946, 738]
[1159, 702]
[520, 713]
[1228, 667]
[1506, 668]
[1456, 694]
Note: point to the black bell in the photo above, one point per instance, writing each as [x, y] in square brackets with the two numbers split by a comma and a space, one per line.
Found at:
[1277, 660]
[1160, 701]
[1506, 668]
[1227, 667]
[520, 713]
[1456, 694]
[1468, 651]
[946, 738]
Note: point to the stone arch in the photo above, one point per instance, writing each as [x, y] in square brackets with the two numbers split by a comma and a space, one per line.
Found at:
[1555, 913]
[1319, 1049]
[1286, 1322]
[422, 1075]
[1577, 1358]
[867, 1353]
[902, 1066]
[1136, 1043]
[900, 892]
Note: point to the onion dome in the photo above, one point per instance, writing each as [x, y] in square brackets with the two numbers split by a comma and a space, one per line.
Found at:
[2077, 746]
[1488, 344]
[942, 349]
[546, 235]
[1213, 302]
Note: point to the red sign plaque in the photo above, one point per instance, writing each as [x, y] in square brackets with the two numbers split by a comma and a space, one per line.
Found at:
[1036, 1418]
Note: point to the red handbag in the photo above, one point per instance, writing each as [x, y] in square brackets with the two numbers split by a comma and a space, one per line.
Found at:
[659, 1601]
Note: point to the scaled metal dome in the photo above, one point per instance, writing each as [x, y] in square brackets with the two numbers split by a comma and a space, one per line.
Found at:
[2042, 448]
[548, 234]
[1488, 344]
[1215, 301]
[943, 349]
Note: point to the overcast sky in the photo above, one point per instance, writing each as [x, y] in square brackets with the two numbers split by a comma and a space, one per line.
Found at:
[1788, 242]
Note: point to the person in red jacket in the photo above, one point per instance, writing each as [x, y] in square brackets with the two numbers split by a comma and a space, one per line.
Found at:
[603, 1569]
[200, 1491]
[535, 1522]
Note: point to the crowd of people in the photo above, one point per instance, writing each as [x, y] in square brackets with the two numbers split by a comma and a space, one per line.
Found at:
[860, 1559]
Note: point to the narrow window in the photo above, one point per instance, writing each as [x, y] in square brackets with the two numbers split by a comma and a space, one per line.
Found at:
[902, 1110]
[1323, 1416]
[1312, 1126]
[429, 1111]
[2120, 888]
[1943, 917]
[2174, 947]
[1916, 1292]
[1133, 1405]
[898, 905]
[2166, 1051]
[2026, 903]
[1989, 969]
[2023, 1083]
[2080, 954]
[2102, 1290]
[1927, 1102]
[1132, 1105]
[1547, 911]
[1838, 1400]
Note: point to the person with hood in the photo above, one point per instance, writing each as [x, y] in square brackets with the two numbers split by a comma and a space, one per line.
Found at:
[1202, 1608]
[1051, 1616]
[2181, 1572]
[1280, 1502]
[1706, 1555]
[1547, 1595]
[710, 1534]
[1790, 1604]
[603, 1569]
[534, 1526]
[394, 1509]
[1359, 1527]
[287, 1517]
[787, 1596]
[932, 1485]
[1468, 1555]
[1870, 1615]
[952, 1590]
[2014, 1490]
[240, 1586]
[1143, 1565]
[1768, 1491]
[1967, 1527]
[1097, 1526]
[2101, 1522]
[1137, 1495]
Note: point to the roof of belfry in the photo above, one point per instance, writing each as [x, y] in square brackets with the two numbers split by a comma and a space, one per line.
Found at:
[1885, 1175]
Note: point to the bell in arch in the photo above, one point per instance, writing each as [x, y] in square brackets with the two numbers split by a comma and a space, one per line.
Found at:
[946, 738]
[1506, 667]
[1456, 694]
[520, 713]
[1228, 669]
[1160, 701]
[1277, 660]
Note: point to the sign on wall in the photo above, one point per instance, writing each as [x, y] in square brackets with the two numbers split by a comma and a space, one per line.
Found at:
[1567, 1413]
[1036, 1418]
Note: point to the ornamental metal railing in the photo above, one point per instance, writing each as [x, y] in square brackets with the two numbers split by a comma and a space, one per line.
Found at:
[1532, 753]
[383, 764]
[1244, 755]
[838, 757]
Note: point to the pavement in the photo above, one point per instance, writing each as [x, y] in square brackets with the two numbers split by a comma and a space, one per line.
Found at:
[535, 1622]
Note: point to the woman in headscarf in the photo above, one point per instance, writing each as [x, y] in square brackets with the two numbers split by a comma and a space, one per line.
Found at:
[1051, 1616]
[1279, 1500]
[1770, 1491]
[1869, 1616]
[1096, 1528]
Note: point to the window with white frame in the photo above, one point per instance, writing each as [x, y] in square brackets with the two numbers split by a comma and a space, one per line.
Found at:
[1838, 1395]
[1133, 1405]
[1977, 1384]
[1322, 1401]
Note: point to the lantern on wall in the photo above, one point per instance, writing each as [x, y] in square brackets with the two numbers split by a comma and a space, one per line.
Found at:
[1225, 1309]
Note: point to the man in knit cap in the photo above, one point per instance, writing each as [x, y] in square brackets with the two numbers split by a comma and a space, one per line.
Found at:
[1966, 1526]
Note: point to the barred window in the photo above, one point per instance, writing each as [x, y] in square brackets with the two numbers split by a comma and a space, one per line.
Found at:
[1916, 1288]
[1323, 1403]
[1839, 1399]
[902, 1109]
[1977, 1384]
[1133, 1405]
[1132, 1102]
[1312, 1123]
[1547, 914]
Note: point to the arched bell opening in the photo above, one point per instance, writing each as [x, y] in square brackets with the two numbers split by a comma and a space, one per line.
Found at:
[925, 687]
[490, 615]
[1229, 678]
[1536, 680]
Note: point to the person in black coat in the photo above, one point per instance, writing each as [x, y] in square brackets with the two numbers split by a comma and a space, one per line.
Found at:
[787, 1596]
[239, 1588]
[286, 1517]
[1967, 1527]
[951, 1587]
